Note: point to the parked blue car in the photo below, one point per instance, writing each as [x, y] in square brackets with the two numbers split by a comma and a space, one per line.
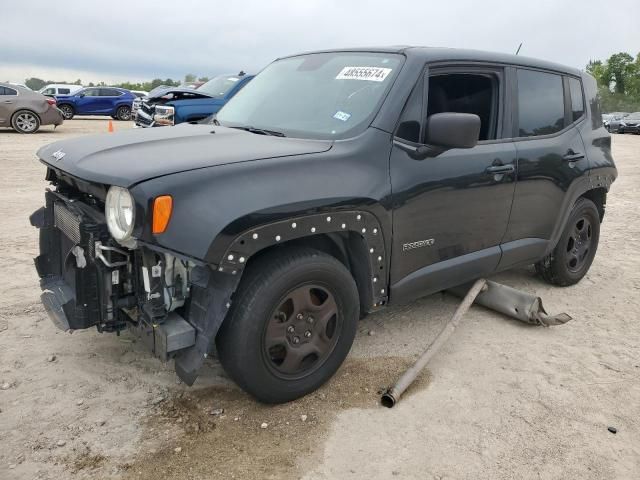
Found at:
[173, 105]
[115, 102]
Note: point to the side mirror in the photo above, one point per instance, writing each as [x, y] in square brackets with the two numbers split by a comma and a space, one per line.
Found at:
[81, 95]
[445, 131]
[453, 130]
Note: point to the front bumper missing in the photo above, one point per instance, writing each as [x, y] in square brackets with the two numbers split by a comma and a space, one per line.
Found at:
[88, 280]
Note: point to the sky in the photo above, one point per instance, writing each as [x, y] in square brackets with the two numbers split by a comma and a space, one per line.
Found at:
[140, 40]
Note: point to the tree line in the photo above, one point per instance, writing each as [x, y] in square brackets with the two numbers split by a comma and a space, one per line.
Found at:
[618, 80]
[36, 84]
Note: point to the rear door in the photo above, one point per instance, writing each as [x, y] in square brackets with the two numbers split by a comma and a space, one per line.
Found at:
[551, 157]
[108, 99]
[451, 212]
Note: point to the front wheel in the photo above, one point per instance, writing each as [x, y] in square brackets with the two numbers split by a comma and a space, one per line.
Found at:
[123, 113]
[292, 323]
[576, 249]
[25, 121]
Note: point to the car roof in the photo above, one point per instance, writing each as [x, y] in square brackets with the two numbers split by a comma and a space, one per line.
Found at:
[436, 54]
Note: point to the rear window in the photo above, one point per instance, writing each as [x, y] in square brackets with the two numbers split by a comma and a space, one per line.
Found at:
[109, 92]
[540, 103]
[577, 102]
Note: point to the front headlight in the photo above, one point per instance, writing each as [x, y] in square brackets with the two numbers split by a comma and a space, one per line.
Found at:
[120, 213]
[164, 115]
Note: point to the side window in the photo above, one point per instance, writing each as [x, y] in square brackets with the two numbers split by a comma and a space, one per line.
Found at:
[91, 92]
[411, 119]
[64, 91]
[577, 103]
[476, 93]
[7, 91]
[109, 92]
[49, 91]
[540, 103]
[2, 91]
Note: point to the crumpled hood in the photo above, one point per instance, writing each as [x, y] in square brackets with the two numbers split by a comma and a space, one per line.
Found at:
[161, 92]
[136, 155]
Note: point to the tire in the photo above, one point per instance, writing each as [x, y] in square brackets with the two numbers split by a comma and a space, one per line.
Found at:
[576, 249]
[67, 111]
[123, 113]
[277, 302]
[25, 121]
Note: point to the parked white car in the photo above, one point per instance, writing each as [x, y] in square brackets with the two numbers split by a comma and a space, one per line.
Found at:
[55, 89]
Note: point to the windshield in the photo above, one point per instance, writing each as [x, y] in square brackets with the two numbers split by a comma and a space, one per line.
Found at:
[322, 95]
[632, 116]
[219, 86]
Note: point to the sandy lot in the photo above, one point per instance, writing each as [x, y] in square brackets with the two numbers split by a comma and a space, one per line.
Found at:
[502, 400]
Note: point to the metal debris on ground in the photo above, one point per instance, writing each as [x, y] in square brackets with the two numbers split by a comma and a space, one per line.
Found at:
[519, 305]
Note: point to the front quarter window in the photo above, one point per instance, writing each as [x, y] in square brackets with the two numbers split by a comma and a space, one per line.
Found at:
[322, 95]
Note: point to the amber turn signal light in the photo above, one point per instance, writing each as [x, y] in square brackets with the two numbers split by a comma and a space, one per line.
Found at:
[162, 207]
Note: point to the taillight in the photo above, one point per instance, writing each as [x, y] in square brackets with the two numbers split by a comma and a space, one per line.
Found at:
[51, 101]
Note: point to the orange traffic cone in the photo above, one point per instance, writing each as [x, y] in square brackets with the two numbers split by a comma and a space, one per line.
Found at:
[110, 129]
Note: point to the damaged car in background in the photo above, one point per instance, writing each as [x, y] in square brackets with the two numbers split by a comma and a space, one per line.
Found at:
[172, 105]
[333, 184]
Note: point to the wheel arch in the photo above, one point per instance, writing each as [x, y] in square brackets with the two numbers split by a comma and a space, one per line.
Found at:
[355, 238]
[599, 197]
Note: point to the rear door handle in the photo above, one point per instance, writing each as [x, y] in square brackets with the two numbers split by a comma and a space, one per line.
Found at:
[500, 169]
[572, 156]
[8, 101]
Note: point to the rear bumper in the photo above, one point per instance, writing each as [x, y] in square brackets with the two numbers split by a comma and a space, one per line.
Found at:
[52, 116]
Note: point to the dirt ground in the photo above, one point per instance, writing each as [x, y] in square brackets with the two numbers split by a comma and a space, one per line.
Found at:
[503, 400]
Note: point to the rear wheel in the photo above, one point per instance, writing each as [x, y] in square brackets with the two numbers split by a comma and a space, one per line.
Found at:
[24, 121]
[123, 113]
[292, 324]
[576, 249]
[67, 111]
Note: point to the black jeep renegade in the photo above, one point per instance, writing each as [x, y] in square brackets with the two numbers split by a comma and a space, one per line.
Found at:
[333, 184]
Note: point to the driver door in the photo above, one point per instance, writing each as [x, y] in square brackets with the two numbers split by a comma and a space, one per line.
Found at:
[450, 211]
[88, 100]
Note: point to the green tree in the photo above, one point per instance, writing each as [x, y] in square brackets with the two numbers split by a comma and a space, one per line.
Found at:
[203, 79]
[618, 80]
[189, 78]
[620, 67]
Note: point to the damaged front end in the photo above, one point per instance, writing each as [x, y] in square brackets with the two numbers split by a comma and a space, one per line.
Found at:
[88, 279]
[159, 109]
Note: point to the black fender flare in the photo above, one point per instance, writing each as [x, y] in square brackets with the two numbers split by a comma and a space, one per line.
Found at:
[600, 178]
[212, 289]
[365, 224]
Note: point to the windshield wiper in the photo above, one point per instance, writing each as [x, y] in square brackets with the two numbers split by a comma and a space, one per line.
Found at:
[261, 131]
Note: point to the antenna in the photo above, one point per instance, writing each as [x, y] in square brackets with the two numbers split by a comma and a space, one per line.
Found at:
[519, 47]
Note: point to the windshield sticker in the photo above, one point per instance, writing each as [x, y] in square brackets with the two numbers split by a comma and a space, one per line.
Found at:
[373, 74]
[344, 116]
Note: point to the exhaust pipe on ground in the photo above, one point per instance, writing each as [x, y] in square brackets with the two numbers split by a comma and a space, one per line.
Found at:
[393, 394]
[519, 305]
